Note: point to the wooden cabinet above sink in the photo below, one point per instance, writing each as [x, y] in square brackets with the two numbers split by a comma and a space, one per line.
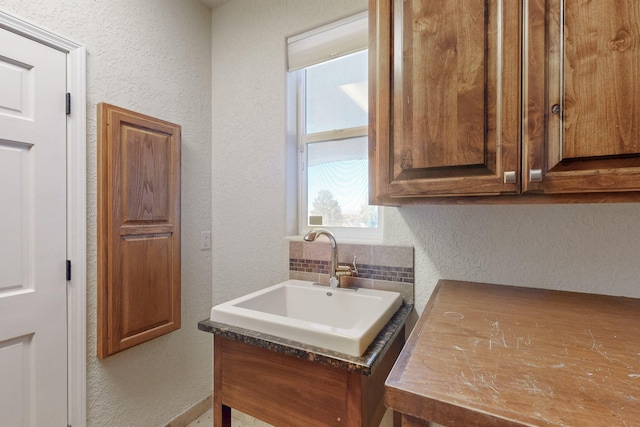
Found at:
[516, 102]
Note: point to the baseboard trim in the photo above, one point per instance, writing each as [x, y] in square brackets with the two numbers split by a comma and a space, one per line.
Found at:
[192, 413]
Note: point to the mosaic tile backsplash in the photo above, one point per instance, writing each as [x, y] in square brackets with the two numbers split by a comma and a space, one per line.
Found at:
[367, 271]
[379, 267]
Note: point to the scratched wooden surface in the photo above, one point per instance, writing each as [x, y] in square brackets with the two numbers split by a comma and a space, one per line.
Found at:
[506, 356]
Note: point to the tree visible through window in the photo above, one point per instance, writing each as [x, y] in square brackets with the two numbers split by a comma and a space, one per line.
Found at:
[328, 208]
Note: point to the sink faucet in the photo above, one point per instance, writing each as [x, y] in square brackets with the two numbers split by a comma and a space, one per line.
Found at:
[335, 270]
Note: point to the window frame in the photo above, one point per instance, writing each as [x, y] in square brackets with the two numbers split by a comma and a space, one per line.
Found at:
[355, 234]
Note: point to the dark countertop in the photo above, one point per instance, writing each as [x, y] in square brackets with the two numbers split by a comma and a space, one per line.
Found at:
[362, 365]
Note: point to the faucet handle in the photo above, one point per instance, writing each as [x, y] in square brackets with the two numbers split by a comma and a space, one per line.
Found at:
[345, 270]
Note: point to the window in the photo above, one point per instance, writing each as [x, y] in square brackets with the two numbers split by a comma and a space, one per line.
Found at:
[329, 69]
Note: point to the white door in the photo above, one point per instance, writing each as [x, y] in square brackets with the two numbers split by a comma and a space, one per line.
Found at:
[33, 304]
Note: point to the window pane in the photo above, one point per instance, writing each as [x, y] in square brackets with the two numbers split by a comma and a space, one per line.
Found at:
[337, 95]
[337, 184]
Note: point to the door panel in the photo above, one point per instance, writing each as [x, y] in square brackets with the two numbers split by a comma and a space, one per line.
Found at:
[16, 369]
[14, 258]
[33, 329]
[582, 115]
[601, 66]
[154, 253]
[444, 98]
[15, 89]
[443, 83]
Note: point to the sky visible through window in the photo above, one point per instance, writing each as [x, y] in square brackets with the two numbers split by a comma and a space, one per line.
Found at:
[337, 170]
[336, 96]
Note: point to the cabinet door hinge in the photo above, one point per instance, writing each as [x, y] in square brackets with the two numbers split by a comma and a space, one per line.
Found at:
[68, 269]
[68, 103]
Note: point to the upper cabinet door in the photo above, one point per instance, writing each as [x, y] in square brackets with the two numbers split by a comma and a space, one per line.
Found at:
[444, 98]
[582, 86]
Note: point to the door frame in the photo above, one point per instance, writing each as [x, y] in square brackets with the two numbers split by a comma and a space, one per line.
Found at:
[76, 209]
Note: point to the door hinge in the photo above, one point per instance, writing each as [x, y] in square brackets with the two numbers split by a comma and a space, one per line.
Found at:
[68, 269]
[68, 103]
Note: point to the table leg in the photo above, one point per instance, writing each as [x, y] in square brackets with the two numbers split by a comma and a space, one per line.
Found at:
[221, 416]
[409, 421]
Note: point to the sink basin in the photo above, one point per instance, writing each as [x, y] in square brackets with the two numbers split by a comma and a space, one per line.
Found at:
[341, 320]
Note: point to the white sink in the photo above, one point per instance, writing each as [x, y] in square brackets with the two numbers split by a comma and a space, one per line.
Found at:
[341, 320]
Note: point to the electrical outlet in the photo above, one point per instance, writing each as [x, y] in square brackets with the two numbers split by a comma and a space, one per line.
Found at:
[205, 240]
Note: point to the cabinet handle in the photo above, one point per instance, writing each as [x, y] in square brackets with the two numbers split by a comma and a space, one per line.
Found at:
[535, 175]
[555, 109]
[510, 177]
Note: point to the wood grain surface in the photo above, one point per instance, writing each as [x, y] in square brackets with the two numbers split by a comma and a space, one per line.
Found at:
[494, 98]
[580, 89]
[138, 228]
[508, 356]
[444, 98]
[287, 391]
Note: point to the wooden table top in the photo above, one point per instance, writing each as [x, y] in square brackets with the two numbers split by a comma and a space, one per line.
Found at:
[509, 356]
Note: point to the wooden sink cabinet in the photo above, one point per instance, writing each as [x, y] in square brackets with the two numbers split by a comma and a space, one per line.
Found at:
[286, 391]
[290, 384]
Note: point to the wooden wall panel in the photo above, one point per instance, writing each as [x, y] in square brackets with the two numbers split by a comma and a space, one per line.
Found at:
[145, 261]
[146, 159]
[138, 228]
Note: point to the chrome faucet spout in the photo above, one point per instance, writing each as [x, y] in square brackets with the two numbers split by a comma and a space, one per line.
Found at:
[312, 236]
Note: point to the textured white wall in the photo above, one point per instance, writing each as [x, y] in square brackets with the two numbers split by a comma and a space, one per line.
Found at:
[152, 56]
[249, 160]
[580, 247]
[590, 248]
